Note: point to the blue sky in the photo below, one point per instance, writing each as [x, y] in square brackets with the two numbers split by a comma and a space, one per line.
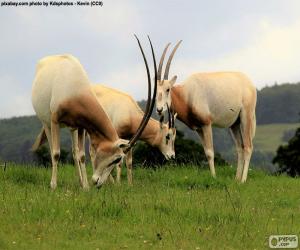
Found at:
[259, 38]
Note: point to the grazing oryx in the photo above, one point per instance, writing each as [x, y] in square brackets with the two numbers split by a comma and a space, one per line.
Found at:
[222, 99]
[61, 95]
[126, 115]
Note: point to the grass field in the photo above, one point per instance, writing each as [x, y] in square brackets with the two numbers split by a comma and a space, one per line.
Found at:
[269, 137]
[170, 208]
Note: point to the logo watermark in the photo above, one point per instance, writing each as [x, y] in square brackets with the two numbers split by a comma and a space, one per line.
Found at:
[283, 241]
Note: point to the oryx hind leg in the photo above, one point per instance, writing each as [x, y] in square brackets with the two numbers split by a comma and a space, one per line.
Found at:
[129, 166]
[236, 134]
[248, 126]
[55, 150]
[205, 133]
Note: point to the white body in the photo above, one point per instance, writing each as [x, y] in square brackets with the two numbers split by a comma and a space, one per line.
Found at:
[61, 95]
[223, 99]
[57, 79]
[126, 115]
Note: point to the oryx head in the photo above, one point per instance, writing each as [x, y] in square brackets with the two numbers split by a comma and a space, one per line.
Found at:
[105, 157]
[168, 133]
[108, 154]
[164, 85]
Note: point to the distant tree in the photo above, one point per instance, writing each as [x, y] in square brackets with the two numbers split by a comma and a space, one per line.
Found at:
[288, 134]
[187, 152]
[288, 156]
[43, 156]
[278, 104]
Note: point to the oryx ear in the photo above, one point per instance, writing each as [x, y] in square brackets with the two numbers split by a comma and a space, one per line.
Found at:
[173, 80]
[122, 144]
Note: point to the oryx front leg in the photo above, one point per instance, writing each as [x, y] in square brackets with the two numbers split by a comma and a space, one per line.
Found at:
[129, 166]
[55, 152]
[81, 148]
[75, 152]
[119, 172]
[79, 156]
[205, 133]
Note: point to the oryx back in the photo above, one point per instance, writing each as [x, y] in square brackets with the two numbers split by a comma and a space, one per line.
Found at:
[58, 79]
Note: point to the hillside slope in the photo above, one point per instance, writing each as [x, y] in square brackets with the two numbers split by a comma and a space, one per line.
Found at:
[277, 104]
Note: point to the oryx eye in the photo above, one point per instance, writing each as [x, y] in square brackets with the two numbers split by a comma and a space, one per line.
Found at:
[168, 90]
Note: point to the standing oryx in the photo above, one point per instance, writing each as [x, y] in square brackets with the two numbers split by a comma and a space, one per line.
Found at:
[222, 99]
[126, 116]
[61, 95]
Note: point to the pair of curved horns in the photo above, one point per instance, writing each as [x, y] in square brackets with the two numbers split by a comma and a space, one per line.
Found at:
[150, 101]
[166, 74]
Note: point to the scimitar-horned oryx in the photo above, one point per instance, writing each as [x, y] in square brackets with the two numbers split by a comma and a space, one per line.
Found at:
[222, 99]
[126, 115]
[62, 96]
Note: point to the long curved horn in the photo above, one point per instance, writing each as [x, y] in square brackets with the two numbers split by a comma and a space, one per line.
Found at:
[155, 78]
[162, 61]
[166, 75]
[150, 102]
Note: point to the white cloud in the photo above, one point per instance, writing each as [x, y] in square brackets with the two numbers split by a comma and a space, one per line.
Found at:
[15, 100]
[273, 55]
[131, 80]
[258, 38]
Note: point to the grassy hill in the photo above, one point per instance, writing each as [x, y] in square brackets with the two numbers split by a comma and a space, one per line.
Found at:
[170, 208]
[269, 136]
[18, 134]
[278, 104]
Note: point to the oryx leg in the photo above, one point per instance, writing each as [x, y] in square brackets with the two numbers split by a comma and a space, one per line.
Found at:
[205, 133]
[129, 166]
[119, 172]
[248, 126]
[236, 134]
[75, 152]
[111, 179]
[55, 152]
[81, 148]
[92, 153]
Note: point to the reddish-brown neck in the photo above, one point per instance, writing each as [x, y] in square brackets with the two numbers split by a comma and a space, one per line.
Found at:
[84, 111]
[179, 104]
[186, 112]
[150, 132]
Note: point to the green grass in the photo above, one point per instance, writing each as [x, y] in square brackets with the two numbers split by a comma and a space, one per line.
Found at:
[170, 208]
[269, 137]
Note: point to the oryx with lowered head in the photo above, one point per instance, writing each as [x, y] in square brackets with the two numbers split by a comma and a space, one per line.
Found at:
[62, 96]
